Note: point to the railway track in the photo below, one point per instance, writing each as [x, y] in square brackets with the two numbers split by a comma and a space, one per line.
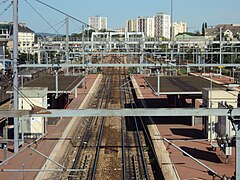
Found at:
[135, 162]
[86, 153]
[111, 147]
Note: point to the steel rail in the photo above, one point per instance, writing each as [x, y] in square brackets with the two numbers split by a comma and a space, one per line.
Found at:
[122, 129]
[100, 135]
[139, 137]
[151, 143]
[99, 103]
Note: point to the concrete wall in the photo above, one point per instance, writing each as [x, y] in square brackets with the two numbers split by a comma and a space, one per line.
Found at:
[211, 99]
[163, 157]
[29, 97]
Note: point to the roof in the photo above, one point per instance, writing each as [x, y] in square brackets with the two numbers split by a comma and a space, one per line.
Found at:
[4, 26]
[185, 36]
[24, 28]
[66, 84]
[234, 28]
[33, 92]
[180, 84]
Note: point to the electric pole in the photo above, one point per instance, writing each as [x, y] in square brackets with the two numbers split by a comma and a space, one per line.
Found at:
[15, 72]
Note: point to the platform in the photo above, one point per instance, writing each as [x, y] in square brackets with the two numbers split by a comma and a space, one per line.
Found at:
[28, 158]
[66, 84]
[174, 163]
[180, 84]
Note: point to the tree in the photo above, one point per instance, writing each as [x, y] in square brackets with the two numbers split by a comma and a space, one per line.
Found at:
[204, 27]
[87, 33]
[196, 33]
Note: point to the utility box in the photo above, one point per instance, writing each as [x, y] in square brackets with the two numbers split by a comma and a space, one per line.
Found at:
[218, 126]
[32, 127]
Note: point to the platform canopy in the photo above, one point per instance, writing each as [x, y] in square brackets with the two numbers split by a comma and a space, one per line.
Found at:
[188, 85]
[66, 84]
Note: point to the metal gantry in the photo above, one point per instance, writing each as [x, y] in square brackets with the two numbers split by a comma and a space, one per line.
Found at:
[148, 65]
[122, 112]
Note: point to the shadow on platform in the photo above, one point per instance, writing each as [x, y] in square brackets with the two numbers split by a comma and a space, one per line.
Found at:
[188, 132]
[202, 155]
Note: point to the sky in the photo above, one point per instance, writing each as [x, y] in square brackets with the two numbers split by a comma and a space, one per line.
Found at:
[194, 12]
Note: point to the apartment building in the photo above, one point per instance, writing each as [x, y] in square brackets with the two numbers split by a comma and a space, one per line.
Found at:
[162, 25]
[26, 36]
[131, 25]
[179, 27]
[97, 23]
[142, 24]
[150, 27]
[4, 31]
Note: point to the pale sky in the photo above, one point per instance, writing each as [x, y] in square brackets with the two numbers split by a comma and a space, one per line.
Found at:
[194, 12]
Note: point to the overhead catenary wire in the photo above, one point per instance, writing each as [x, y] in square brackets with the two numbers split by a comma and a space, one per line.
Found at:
[3, 2]
[55, 25]
[43, 3]
[6, 9]
[61, 26]
[78, 27]
[22, 94]
[42, 17]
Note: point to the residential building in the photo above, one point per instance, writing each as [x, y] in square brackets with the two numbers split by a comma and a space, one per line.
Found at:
[142, 24]
[4, 38]
[131, 25]
[179, 27]
[162, 25]
[97, 23]
[150, 27]
[26, 36]
[117, 30]
[4, 31]
[230, 31]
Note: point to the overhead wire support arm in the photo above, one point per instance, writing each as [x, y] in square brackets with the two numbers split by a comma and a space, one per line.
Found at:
[43, 3]
[42, 17]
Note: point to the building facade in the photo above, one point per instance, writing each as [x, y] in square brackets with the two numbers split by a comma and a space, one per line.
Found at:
[150, 27]
[26, 38]
[4, 30]
[179, 27]
[162, 25]
[131, 25]
[97, 23]
[230, 31]
[142, 24]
